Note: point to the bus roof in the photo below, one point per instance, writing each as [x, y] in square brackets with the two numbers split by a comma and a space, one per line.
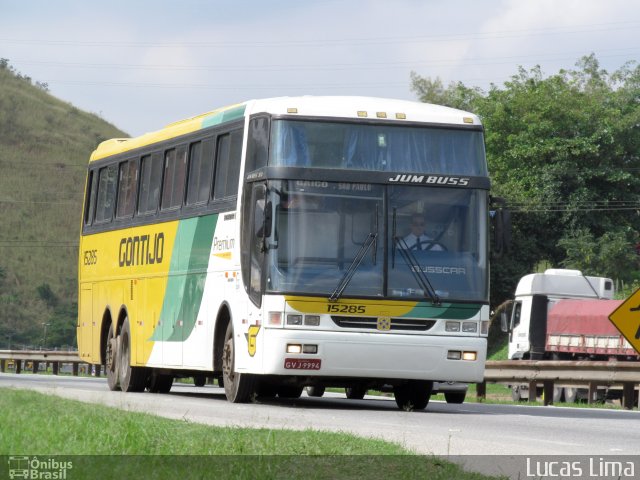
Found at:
[305, 106]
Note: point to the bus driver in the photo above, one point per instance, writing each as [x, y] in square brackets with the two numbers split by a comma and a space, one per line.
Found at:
[418, 239]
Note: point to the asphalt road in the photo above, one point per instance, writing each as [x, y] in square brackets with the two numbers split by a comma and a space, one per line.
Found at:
[442, 429]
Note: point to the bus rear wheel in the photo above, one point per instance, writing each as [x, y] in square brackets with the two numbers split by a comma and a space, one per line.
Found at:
[355, 393]
[413, 395]
[315, 391]
[455, 397]
[160, 383]
[289, 391]
[238, 387]
[132, 379]
[111, 360]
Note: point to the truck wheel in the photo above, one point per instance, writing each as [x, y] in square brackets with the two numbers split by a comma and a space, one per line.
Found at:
[413, 395]
[238, 387]
[111, 360]
[199, 380]
[132, 379]
[455, 397]
[516, 393]
[570, 394]
[557, 394]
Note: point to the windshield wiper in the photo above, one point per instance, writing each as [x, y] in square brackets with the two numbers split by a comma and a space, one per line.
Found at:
[348, 275]
[417, 271]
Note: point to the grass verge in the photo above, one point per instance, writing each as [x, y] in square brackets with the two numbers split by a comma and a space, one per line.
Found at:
[110, 443]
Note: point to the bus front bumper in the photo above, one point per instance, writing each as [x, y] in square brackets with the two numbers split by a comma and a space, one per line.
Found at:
[373, 355]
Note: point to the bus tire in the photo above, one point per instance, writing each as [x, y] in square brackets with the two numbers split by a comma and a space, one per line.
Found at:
[132, 379]
[238, 387]
[455, 397]
[111, 360]
[289, 391]
[160, 383]
[355, 393]
[413, 395]
[314, 391]
[266, 389]
[200, 380]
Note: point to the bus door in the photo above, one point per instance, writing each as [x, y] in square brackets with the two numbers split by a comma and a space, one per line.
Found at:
[85, 322]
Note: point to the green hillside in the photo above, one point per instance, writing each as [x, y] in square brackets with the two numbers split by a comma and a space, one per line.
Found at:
[45, 144]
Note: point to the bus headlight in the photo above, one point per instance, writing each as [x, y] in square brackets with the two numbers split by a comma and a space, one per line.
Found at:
[469, 356]
[458, 355]
[454, 355]
[452, 326]
[469, 327]
[312, 320]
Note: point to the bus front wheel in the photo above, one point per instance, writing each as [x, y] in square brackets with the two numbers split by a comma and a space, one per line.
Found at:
[238, 387]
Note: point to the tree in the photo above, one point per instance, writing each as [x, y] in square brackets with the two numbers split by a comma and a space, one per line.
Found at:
[47, 295]
[564, 151]
[455, 95]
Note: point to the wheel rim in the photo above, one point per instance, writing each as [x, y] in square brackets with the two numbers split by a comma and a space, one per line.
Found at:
[227, 361]
[111, 355]
[125, 355]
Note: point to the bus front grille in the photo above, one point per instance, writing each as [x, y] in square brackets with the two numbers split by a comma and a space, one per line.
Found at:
[398, 324]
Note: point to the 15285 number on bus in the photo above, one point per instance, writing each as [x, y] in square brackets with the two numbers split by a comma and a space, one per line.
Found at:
[346, 309]
[90, 257]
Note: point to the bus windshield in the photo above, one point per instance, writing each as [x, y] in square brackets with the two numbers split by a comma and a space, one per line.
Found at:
[377, 147]
[321, 227]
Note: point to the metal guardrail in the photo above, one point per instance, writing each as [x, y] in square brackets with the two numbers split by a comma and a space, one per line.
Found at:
[35, 358]
[531, 372]
[551, 373]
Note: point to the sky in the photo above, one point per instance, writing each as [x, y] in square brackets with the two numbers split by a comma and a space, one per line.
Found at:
[142, 64]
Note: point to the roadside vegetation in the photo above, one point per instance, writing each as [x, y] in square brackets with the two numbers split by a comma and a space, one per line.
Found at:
[105, 439]
[45, 145]
[564, 152]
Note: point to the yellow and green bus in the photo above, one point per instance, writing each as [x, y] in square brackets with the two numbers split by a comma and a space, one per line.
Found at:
[290, 242]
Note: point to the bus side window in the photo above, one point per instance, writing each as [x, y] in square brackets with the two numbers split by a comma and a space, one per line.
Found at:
[150, 180]
[90, 199]
[227, 165]
[175, 166]
[127, 189]
[200, 169]
[106, 196]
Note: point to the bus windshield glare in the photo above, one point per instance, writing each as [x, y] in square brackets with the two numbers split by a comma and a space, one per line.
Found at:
[320, 227]
[377, 147]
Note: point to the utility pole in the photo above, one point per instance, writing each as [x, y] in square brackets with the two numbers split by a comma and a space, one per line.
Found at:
[44, 343]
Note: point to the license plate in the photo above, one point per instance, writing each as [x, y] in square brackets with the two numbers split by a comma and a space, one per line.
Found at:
[302, 363]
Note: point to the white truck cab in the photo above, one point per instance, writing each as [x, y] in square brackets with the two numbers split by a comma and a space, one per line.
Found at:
[535, 295]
